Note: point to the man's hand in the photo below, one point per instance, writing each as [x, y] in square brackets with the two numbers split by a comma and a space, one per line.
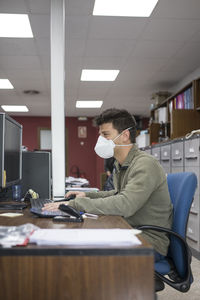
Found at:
[76, 193]
[53, 206]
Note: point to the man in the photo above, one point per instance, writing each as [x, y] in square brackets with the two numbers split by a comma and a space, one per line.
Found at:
[141, 192]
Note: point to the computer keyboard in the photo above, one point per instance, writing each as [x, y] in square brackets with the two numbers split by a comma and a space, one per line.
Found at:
[36, 208]
[39, 203]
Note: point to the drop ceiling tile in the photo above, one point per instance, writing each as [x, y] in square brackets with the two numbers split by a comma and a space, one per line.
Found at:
[111, 47]
[196, 37]
[17, 47]
[43, 46]
[19, 62]
[177, 9]
[40, 7]
[116, 28]
[40, 25]
[24, 74]
[110, 62]
[140, 68]
[10, 6]
[79, 7]
[171, 30]
[181, 65]
[93, 91]
[21, 85]
[156, 49]
[75, 47]
[76, 27]
[5, 95]
[189, 51]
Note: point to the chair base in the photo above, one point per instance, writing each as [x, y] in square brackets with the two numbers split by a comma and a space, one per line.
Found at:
[159, 284]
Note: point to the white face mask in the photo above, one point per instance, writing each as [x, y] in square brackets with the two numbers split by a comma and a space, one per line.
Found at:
[105, 148]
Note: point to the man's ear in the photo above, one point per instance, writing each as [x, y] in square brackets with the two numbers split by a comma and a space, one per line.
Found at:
[126, 136]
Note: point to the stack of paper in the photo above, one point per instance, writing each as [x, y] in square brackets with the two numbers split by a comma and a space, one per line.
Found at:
[111, 237]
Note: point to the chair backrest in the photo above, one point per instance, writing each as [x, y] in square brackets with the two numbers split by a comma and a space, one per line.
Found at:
[181, 187]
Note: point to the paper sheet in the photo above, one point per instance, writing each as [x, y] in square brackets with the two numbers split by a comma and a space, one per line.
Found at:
[11, 215]
[111, 237]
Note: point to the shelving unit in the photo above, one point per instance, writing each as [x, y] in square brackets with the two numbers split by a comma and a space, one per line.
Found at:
[183, 109]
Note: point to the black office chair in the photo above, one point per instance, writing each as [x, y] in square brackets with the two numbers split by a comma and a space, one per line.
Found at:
[178, 260]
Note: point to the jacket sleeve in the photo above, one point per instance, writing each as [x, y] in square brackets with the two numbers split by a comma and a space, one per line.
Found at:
[143, 179]
[100, 194]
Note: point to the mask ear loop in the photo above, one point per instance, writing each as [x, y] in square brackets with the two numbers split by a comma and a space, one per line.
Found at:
[119, 136]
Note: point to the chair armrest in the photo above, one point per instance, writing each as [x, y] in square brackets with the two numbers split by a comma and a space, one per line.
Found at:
[184, 285]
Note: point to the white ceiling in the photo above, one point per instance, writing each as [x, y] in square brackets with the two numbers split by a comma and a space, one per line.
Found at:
[153, 54]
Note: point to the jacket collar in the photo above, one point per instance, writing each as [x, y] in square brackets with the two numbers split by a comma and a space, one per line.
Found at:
[132, 153]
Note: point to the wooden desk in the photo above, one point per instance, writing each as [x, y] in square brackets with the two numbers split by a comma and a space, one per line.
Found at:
[75, 273]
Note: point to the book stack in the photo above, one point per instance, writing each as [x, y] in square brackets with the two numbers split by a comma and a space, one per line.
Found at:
[183, 100]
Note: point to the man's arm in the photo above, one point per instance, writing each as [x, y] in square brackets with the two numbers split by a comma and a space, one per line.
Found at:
[142, 181]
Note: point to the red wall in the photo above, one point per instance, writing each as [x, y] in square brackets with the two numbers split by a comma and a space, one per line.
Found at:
[79, 155]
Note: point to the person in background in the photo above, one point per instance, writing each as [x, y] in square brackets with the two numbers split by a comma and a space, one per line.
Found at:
[141, 192]
[108, 167]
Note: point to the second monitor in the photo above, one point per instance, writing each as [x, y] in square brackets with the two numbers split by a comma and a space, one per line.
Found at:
[36, 173]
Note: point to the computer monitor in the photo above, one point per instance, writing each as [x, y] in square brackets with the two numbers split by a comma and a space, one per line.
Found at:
[36, 173]
[10, 151]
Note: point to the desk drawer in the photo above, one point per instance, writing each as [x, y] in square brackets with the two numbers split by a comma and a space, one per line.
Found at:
[193, 244]
[193, 227]
[165, 153]
[177, 154]
[192, 152]
[166, 169]
[156, 153]
[177, 169]
[195, 204]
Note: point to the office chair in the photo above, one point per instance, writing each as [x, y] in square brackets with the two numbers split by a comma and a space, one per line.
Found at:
[176, 264]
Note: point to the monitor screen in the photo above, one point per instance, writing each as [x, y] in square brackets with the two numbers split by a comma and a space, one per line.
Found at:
[11, 151]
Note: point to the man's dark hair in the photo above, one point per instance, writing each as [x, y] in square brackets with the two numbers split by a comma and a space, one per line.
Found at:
[121, 119]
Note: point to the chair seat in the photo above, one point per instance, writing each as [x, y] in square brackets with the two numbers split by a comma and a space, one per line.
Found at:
[162, 266]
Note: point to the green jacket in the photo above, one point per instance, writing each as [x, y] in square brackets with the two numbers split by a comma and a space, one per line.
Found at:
[141, 196]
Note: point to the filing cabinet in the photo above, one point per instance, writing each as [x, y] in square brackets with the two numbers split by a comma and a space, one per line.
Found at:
[193, 231]
[177, 156]
[192, 152]
[182, 155]
[155, 151]
[165, 158]
[192, 164]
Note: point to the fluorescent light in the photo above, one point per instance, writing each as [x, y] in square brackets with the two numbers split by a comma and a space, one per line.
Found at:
[15, 108]
[124, 8]
[6, 84]
[15, 25]
[89, 103]
[99, 75]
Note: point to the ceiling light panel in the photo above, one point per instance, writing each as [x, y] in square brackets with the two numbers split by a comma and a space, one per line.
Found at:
[89, 103]
[6, 84]
[99, 75]
[15, 108]
[124, 8]
[15, 26]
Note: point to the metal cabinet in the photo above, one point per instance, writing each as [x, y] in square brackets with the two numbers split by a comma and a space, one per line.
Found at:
[191, 152]
[177, 157]
[156, 152]
[193, 231]
[192, 164]
[165, 157]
